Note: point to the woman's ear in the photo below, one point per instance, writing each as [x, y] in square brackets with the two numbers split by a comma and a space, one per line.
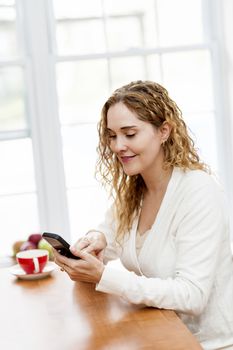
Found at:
[165, 130]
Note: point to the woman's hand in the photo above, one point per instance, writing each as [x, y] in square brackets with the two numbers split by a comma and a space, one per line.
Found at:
[94, 242]
[87, 269]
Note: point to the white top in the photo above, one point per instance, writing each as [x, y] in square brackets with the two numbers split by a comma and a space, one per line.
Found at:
[185, 263]
[140, 239]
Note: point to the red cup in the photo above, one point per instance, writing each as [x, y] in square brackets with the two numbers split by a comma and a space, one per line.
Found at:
[33, 260]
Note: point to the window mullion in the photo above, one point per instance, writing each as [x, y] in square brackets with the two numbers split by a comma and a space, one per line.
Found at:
[44, 122]
[222, 93]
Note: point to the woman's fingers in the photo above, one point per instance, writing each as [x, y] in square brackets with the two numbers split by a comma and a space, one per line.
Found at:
[81, 244]
[100, 255]
[91, 269]
[90, 250]
[93, 242]
[87, 269]
[61, 260]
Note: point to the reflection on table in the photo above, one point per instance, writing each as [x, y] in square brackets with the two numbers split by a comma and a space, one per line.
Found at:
[55, 313]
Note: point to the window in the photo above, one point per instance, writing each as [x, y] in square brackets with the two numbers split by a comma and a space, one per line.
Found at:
[59, 61]
[18, 197]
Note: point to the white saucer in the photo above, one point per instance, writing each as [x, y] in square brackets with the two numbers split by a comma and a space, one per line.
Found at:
[20, 273]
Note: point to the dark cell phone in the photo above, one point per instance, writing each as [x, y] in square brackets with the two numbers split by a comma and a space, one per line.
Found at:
[59, 244]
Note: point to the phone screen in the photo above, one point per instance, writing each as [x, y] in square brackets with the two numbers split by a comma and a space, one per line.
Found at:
[59, 244]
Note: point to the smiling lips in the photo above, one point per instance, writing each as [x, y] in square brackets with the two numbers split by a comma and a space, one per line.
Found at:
[126, 159]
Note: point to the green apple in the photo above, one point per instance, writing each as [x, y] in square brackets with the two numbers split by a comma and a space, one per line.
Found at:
[43, 244]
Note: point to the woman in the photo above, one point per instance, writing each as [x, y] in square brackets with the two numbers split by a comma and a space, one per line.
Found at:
[168, 223]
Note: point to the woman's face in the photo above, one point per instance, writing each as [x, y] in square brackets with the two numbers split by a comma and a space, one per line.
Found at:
[137, 144]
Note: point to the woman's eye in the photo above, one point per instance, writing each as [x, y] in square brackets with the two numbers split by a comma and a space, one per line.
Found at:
[130, 135]
[111, 137]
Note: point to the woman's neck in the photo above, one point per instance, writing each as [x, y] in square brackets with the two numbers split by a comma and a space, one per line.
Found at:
[158, 180]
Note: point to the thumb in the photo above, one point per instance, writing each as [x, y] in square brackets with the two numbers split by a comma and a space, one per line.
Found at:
[84, 248]
[84, 255]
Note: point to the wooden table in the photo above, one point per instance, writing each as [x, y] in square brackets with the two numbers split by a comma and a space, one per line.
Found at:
[57, 314]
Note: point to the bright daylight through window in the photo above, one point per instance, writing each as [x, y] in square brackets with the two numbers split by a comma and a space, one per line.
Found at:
[59, 60]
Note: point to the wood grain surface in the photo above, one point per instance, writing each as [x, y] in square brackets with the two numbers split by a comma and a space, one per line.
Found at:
[55, 313]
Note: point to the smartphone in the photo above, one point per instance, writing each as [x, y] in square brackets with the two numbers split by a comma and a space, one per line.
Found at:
[59, 244]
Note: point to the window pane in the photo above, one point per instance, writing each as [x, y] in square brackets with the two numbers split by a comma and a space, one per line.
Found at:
[180, 22]
[12, 107]
[17, 168]
[79, 147]
[188, 78]
[112, 7]
[19, 218]
[203, 127]
[82, 88]
[153, 68]
[124, 33]
[8, 36]
[130, 23]
[126, 69]
[80, 36]
[77, 8]
[87, 207]
[7, 2]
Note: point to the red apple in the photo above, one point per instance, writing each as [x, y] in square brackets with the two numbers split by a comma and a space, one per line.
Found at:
[27, 245]
[35, 238]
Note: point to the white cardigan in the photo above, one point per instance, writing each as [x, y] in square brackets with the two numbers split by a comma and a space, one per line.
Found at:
[185, 263]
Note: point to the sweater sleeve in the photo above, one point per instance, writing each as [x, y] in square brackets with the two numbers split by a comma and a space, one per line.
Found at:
[201, 224]
[107, 227]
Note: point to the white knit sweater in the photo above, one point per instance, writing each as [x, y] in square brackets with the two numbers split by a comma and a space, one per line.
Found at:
[185, 263]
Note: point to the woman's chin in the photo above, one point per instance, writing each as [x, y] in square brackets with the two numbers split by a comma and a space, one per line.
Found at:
[130, 172]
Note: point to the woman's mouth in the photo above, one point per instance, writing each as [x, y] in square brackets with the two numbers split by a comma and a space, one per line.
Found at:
[126, 159]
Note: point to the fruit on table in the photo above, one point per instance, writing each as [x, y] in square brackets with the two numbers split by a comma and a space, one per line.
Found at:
[34, 241]
[16, 247]
[43, 244]
[35, 238]
[28, 245]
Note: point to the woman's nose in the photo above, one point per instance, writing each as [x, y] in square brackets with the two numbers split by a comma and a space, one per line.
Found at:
[118, 145]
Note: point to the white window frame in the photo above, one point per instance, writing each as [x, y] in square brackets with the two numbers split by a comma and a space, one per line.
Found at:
[44, 121]
[40, 62]
[224, 29]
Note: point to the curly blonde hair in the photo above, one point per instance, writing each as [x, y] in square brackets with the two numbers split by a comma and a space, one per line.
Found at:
[152, 104]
